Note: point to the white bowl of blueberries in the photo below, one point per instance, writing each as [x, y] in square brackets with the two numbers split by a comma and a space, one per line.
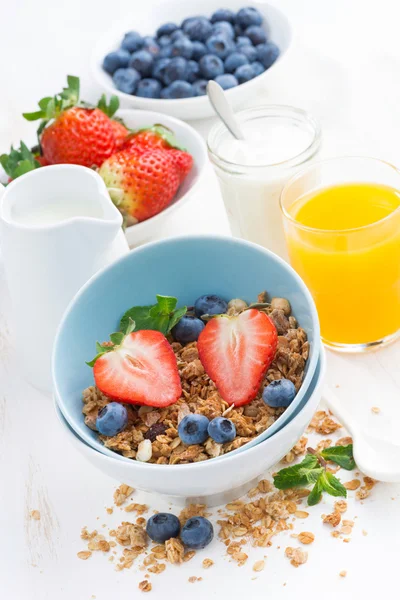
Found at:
[163, 63]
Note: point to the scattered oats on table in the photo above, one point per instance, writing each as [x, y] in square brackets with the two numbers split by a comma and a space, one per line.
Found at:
[297, 556]
[207, 563]
[145, 586]
[306, 537]
[35, 515]
[122, 493]
[332, 519]
[84, 554]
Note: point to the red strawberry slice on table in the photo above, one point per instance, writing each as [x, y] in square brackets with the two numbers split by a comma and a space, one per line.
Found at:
[236, 353]
[142, 370]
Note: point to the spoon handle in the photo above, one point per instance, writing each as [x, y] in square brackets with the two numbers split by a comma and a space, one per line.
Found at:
[223, 109]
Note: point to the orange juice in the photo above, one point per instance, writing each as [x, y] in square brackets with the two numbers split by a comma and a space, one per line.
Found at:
[344, 241]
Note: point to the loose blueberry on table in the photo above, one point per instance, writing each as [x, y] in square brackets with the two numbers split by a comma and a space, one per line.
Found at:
[162, 527]
[219, 46]
[194, 383]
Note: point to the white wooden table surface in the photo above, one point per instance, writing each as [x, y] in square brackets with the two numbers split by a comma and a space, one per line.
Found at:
[345, 70]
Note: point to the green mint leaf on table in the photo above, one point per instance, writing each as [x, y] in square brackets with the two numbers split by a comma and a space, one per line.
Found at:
[19, 161]
[316, 493]
[304, 473]
[341, 455]
[159, 317]
[312, 470]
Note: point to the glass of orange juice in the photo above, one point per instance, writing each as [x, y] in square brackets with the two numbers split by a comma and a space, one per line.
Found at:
[342, 228]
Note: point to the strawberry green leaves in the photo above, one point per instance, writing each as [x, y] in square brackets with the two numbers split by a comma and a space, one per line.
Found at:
[312, 471]
[108, 109]
[165, 133]
[19, 161]
[52, 106]
[162, 316]
[116, 340]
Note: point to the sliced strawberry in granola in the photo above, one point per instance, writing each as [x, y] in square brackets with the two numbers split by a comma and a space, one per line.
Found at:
[236, 352]
[141, 370]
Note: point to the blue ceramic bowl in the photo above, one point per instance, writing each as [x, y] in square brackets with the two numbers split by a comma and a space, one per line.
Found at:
[186, 268]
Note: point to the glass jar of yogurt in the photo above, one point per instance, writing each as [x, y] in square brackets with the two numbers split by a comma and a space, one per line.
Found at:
[252, 172]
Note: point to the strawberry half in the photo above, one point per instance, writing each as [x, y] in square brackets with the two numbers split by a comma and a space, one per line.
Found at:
[236, 353]
[142, 370]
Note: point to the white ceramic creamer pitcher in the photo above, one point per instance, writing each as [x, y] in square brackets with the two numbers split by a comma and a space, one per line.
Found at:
[58, 227]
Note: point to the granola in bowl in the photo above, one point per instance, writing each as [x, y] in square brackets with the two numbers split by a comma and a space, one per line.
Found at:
[204, 414]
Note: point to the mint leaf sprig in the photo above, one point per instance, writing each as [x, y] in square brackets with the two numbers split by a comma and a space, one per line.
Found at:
[312, 471]
[162, 316]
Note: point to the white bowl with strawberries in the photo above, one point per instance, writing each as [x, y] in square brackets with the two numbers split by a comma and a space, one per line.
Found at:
[150, 162]
[189, 381]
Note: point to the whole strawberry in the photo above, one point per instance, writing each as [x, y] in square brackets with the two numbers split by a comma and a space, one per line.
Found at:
[74, 133]
[141, 184]
[120, 134]
[160, 137]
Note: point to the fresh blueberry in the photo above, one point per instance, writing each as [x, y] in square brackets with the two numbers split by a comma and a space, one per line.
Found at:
[188, 329]
[210, 304]
[244, 73]
[222, 430]
[267, 54]
[211, 66]
[148, 88]
[166, 29]
[235, 60]
[162, 527]
[182, 47]
[142, 61]
[256, 34]
[177, 35]
[199, 50]
[224, 28]
[193, 71]
[250, 52]
[164, 40]
[223, 14]
[112, 419]
[178, 89]
[279, 393]
[220, 45]
[242, 40]
[238, 30]
[159, 67]
[227, 81]
[150, 44]
[200, 87]
[116, 60]
[248, 16]
[176, 69]
[258, 68]
[193, 429]
[126, 80]
[197, 533]
[165, 52]
[198, 28]
[132, 41]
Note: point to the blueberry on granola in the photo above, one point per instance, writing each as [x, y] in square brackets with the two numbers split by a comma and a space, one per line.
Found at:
[112, 419]
[279, 393]
[197, 533]
[210, 304]
[188, 329]
[193, 429]
[222, 430]
[162, 527]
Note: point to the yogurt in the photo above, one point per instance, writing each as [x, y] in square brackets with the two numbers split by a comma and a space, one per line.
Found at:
[252, 172]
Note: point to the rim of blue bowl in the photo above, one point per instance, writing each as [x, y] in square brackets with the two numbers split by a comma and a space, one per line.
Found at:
[314, 350]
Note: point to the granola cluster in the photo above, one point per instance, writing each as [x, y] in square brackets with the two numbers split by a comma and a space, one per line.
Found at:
[152, 433]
